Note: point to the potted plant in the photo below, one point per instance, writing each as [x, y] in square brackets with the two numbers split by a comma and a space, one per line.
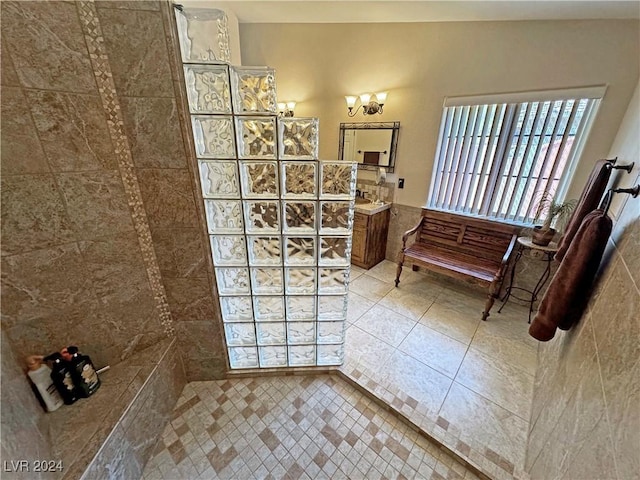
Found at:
[557, 213]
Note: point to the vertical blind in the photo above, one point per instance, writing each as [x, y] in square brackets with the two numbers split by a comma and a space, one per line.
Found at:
[497, 160]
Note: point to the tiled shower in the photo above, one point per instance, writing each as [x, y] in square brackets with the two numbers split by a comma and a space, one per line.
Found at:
[279, 220]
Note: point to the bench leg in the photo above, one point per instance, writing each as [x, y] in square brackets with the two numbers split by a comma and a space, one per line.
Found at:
[399, 269]
[491, 298]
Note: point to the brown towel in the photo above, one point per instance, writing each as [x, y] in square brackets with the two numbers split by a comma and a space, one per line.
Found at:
[589, 201]
[568, 292]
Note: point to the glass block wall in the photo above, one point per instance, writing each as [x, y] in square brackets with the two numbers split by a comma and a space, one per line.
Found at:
[279, 220]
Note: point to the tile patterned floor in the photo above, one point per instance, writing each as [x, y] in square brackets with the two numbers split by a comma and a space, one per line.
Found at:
[423, 349]
[295, 427]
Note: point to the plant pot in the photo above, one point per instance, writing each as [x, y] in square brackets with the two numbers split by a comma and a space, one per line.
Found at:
[542, 237]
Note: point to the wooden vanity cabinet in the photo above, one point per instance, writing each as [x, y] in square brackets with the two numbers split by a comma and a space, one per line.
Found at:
[369, 238]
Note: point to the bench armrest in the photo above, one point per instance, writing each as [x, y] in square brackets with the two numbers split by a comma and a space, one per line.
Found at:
[505, 259]
[408, 233]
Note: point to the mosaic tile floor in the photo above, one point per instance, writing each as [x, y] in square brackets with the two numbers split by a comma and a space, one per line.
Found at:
[423, 349]
[293, 427]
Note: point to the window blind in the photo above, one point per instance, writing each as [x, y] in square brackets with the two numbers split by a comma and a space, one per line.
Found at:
[496, 160]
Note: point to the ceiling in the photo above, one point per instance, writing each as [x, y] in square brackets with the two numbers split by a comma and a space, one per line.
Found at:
[390, 11]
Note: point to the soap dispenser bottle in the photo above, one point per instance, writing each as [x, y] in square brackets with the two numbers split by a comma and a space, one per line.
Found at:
[83, 371]
[40, 375]
[61, 376]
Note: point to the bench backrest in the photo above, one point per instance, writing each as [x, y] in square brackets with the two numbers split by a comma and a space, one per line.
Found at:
[472, 236]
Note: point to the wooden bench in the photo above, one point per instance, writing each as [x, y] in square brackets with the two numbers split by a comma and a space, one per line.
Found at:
[460, 247]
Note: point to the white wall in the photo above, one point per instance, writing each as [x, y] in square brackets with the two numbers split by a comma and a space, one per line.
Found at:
[421, 63]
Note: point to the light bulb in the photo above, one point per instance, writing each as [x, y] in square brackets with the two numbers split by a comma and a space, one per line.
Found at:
[364, 98]
[382, 97]
[291, 105]
[351, 100]
[282, 107]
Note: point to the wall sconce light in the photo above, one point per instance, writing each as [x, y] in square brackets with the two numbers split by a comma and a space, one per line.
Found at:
[285, 109]
[367, 103]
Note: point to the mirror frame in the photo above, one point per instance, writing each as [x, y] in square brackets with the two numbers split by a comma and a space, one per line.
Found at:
[394, 126]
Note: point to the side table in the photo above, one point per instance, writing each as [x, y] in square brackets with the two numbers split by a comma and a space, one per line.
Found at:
[548, 252]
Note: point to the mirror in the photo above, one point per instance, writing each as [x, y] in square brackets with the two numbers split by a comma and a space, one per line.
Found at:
[371, 145]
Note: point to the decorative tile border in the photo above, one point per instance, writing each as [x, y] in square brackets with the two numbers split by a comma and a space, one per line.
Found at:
[106, 86]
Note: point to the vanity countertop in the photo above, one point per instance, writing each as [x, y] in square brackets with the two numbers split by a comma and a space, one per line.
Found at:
[371, 208]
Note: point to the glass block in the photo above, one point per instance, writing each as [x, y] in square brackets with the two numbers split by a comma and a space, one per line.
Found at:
[203, 34]
[335, 251]
[271, 333]
[300, 251]
[259, 179]
[332, 307]
[268, 309]
[213, 136]
[330, 332]
[336, 217]
[228, 250]
[302, 355]
[298, 138]
[243, 357]
[333, 281]
[233, 281]
[300, 281]
[330, 354]
[301, 308]
[299, 217]
[262, 216]
[236, 309]
[238, 334]
[219, 179]
[272, 356]
[267, 281]
[254, 90]
[208, 88]
[338, 180]
[224, 216]
[256, 137]
[264, 251]
[299, 179]
[301, 333]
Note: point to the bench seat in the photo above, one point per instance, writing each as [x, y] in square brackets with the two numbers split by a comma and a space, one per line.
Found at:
[459, 246]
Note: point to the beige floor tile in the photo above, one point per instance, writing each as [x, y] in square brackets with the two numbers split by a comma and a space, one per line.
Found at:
[507, 341]
[356, 271]
[421, 382]
[386, 271]
[366, 349]
[484, 422]
[370, 288]
[458, 323]
[508, 386]
[358, 305]
[407, 301]
[385, 324]
[436, 350]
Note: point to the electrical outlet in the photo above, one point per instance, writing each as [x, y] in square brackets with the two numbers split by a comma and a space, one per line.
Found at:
[401, 183]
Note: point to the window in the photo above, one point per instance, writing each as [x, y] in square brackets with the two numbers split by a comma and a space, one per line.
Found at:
[497, 155]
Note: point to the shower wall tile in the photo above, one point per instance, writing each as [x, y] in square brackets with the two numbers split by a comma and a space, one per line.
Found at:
[73, 131]
[208, 89]
[129, 5]
[254, 90]
[136, 45]
[21, 149]
[115, 264]
[8, 74]
[33, 214]
[198, 339]
[47, 46]
[180, 252]
[168, 198]
[213, 136]
[224, 216]
[219, 178]
[190, 299]
[256, 137]
[96, 203]
[298, 138]
[153, 130]
[203, 35]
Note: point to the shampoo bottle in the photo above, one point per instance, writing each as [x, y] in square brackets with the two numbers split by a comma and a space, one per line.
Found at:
[83, 371]
[61, 376]
[40, 375]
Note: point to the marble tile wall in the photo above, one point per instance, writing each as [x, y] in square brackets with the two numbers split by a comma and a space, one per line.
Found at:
[73, 270]
[585, 420]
